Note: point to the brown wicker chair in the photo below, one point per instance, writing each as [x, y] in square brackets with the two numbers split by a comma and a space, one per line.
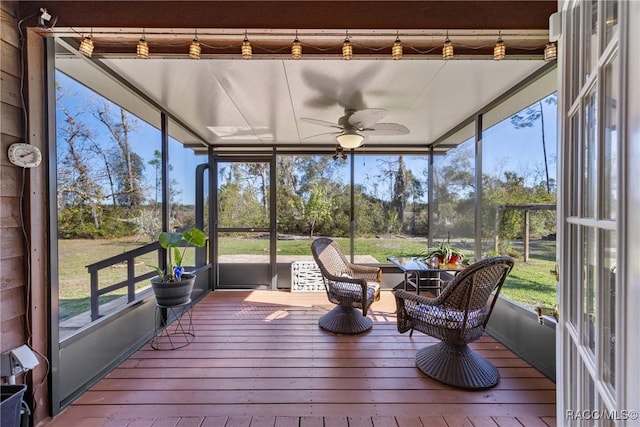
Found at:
[457, 317]
[350, 286]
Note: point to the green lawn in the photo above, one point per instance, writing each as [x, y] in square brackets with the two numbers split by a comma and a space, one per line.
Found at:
[530, 283]
[74, 279]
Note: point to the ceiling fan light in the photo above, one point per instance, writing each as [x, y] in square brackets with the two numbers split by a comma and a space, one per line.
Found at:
[296, 49]
[347, 50]
[396, 50]
[86, 46]
[550, 52]
[499, 50]
[350, 139]
[447, 50]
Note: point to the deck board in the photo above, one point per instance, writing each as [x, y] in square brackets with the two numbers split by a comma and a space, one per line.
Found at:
[259, 359]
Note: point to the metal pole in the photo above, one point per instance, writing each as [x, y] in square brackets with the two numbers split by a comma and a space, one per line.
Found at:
[430, 199]
[478, 201]
[273, 219]
[352, 211]
[201, 257]
[166, 211]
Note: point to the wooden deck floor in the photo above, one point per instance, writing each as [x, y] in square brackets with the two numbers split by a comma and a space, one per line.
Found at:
[259, 359]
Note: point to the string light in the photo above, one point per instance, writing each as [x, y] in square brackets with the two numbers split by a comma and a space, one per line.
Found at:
[296, 48]
[194, 48]
[246, 47]
[86, 46]
[550, 52]
[347, 49]
[396, 50]
[142, 50]
[447, 49]
[499, 50]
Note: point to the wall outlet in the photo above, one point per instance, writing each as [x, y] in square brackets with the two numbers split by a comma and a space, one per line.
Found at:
[18, 360]
[24, 357]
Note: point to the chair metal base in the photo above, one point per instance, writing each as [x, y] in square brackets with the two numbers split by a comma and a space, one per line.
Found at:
[345, 320]
[457, 365]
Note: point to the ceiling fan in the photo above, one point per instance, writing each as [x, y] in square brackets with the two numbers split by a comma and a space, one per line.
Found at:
[356, 125]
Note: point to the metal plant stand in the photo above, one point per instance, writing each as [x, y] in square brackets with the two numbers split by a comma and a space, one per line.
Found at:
[173, 326]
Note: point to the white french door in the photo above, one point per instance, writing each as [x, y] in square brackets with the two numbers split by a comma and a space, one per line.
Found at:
[592, 340]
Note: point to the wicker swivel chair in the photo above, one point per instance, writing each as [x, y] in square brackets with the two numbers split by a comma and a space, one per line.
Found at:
[457, 317]
[350, 286]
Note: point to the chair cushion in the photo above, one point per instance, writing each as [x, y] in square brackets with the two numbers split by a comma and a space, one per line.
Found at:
[351, 293]
[447, 318]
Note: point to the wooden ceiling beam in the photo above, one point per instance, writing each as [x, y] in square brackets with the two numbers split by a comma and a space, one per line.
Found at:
[345, 14]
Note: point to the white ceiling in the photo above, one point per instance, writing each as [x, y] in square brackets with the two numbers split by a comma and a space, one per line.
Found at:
[237, 104]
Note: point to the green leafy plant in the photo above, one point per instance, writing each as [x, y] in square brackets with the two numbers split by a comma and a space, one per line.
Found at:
[171, 242]
[445, 252]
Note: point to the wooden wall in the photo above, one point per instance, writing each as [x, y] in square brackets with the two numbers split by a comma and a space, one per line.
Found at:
[23, 302]
[12, 250]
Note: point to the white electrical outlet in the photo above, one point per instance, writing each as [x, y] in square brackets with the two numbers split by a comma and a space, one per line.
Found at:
[24, 357]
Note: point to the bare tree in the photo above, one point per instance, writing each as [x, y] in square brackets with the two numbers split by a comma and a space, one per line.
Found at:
[129, 167]
[528, 119]
[74, 177]
[260, 171]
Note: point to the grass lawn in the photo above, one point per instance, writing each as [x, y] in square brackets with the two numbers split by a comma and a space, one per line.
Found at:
[529, 284]
[73, 277]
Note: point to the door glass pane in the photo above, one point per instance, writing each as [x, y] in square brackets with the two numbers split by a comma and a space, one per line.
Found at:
[591, 37]
[610, 20]
[588, 286]
[609, 269]
[243, 195]
[572, 56]
[589, 156]
[573, 157]
[390, 206]
[313, 196]
[589, 392]
[312, 200]
[573, 259]
[573, 375]
[243, 240]
[610, 169]
[243, 260]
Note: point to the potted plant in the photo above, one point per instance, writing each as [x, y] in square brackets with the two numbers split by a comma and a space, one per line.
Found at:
[445, 253]
[173, 286]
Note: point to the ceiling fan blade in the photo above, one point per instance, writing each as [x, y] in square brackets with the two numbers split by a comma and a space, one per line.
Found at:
[366, 118]
[320, 122]
[386, 129]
